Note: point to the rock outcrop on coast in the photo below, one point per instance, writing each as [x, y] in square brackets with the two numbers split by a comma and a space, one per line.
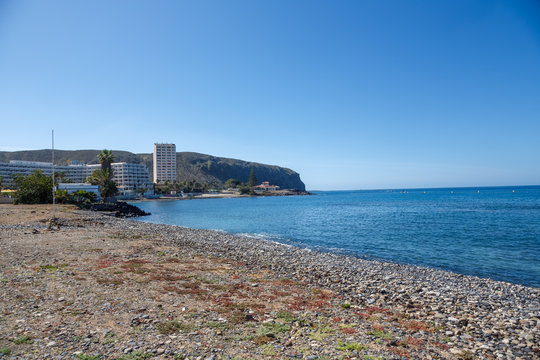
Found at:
[110, 288]
[190, 166]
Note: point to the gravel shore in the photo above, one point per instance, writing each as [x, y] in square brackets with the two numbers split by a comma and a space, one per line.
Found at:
[102, 287]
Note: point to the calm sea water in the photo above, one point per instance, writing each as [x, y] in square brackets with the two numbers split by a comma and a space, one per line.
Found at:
[487, 232]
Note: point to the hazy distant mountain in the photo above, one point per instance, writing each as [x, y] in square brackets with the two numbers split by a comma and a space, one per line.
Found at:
[190, 166]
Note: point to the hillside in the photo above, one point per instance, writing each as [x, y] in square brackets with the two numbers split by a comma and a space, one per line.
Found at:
[190, 166]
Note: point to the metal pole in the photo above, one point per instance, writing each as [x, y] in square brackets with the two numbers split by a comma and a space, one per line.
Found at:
[53, 178]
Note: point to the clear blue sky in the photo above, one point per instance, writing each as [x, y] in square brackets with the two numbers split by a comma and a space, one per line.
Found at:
[351, 94]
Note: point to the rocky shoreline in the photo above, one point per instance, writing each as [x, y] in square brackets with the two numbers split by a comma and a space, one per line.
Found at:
[179, 293]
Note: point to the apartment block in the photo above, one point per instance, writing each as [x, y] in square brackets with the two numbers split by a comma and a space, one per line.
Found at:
[164, 162]
[128, 177]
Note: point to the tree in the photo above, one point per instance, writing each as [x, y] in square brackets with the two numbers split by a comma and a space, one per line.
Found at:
[106, 158]
[252, 178]
[35, 188]
[232, 183]
[103, 178]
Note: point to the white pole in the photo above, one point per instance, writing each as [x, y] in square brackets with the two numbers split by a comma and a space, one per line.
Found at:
[53, 178]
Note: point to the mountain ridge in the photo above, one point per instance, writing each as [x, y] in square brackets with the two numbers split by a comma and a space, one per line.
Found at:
[189, 165]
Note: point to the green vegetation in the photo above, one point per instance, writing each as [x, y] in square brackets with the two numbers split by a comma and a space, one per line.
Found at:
[286, 316]
[87, 357]
[275, 328]
[216, 325]
[35, 188]
[232, 183]
[320, 334]
[252, 181]
[268, 350]
[53, 268]
[106, 158]
[345, 306]
[103, 178]
[343, 346]
[4, 350]
[25, 339]
[172, 326]
[77, 198]
[381, 334]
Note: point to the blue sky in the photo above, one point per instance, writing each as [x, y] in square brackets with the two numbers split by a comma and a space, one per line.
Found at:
[351, 94]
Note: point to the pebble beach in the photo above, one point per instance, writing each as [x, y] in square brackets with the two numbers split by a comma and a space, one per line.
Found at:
[99, 287]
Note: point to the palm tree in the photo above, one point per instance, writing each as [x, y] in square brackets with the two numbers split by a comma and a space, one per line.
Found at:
[102, 178]
[106, 158]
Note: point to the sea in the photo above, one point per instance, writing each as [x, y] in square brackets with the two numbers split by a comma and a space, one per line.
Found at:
[490, 232]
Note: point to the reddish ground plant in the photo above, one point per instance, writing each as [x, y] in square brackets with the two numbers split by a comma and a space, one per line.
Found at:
[105, 262]
[413, 342]
[416, 326]
[401, 352]
[377, 310]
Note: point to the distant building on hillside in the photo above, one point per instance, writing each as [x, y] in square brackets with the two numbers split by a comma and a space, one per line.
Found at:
[164, 162]
[265, 186]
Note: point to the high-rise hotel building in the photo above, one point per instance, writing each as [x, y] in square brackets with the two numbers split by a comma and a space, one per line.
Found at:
[164, 162]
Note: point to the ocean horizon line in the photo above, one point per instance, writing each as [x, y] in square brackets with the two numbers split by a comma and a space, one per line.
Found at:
[427, 188]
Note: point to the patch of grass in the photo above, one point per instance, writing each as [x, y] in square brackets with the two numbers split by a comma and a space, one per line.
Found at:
[87, 357]
[136, 355]
[110, 338]
[268, 350]
[343, 346]
[25, 339]
[345, 306]
[320, 334]
[53, 268]
[172, 326]
[5, 350]
[286, 316]
[237, 317]
[262, 339]
[381, 334]
[136, 266]
[216, 325]
[275, 328]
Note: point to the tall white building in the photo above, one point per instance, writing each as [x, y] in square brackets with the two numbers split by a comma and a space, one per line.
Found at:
[164, 162]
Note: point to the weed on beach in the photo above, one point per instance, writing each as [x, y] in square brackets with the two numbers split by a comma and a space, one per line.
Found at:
[172, 326]
[24, 339]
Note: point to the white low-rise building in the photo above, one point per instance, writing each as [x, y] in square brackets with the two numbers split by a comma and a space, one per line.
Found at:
[74, 187]
[128, 177]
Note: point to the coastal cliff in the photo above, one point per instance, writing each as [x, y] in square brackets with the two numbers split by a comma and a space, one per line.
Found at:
[189, 166]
